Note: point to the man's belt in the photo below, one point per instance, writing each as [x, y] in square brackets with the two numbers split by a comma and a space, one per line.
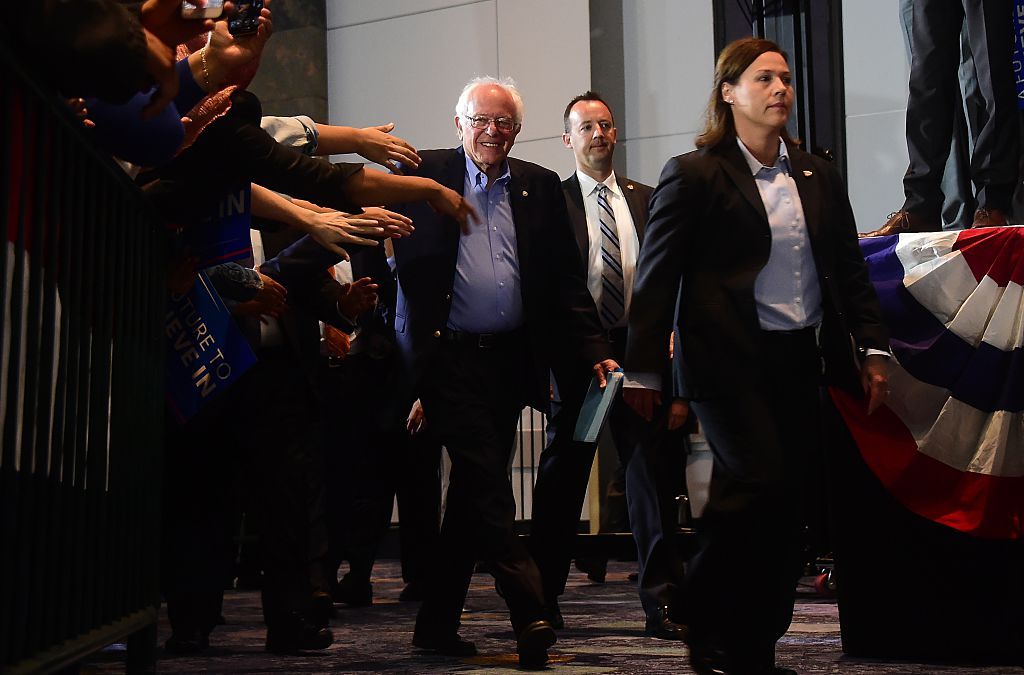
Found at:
[483, 340]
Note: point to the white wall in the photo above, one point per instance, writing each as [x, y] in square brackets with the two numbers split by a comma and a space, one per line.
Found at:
[669, 54]
[877, 73]
[407, 60]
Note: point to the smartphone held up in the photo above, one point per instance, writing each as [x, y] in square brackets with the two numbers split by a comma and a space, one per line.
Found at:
[247, 18]
[211, 9]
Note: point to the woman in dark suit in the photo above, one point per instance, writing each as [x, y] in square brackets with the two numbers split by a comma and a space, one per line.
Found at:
[751, 247]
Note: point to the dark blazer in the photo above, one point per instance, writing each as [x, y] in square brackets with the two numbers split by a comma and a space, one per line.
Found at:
[707, 240]
[559, 314]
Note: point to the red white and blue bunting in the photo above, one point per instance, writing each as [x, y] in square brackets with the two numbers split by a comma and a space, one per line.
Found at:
[949, 445]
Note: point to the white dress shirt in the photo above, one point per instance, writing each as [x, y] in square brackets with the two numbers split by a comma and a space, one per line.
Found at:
[629, 243]
[786, 291]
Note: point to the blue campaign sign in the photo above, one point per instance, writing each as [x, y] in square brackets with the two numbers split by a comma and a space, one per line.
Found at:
[206, 350]
[224, 236]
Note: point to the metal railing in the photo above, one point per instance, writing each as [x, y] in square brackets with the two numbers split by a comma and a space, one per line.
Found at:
[81, 392]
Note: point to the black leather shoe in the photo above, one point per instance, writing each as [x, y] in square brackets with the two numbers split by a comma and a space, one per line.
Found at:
[596, 569]
[709, 661]
[291, 633]
[353, 591]
[321, 609]
[532, 644]
[187, 642]
[903, 221]
[782, 671]
[664, 628]
[989, 218]
[553, 614]
[452, 645]
[413, 592]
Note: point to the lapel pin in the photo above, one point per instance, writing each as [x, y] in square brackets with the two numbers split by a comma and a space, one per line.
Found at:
[629, 186]
[808, 173]
[525, 193]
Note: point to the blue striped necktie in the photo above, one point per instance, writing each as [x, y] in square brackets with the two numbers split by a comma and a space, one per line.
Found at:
[613, 299]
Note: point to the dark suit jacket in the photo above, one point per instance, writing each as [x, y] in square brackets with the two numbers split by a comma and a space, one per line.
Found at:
[637, 195]
[707, 240]
[559, 314]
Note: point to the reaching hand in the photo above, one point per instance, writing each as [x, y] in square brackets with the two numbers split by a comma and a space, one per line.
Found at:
[269, 300]
[334, 228]
[395, 224]
[79, 110]
[377, 145]
[451, 203]
[228, 56]
[357, 297]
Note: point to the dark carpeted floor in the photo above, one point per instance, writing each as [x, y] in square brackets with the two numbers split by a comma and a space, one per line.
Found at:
[603, 634]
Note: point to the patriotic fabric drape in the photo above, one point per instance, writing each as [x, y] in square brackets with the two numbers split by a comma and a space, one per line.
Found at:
[949, 444]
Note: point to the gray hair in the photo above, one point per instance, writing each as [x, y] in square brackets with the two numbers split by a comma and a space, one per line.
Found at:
[506, 83]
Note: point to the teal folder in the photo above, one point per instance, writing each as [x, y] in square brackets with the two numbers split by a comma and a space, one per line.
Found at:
[596, 406]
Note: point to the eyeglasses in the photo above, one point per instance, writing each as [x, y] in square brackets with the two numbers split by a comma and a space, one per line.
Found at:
[482, 122]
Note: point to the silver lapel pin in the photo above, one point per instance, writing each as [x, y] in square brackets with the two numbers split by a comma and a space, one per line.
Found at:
[525, 193]
[808, 173]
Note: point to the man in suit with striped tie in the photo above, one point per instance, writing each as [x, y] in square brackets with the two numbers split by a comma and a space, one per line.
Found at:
[608, 213]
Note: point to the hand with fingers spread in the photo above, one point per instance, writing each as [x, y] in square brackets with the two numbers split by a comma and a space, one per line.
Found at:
[395, 224]
[378, 145]
[331, 229]
[357, 297]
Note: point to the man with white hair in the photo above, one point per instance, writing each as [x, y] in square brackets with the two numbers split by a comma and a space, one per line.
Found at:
[482, 314]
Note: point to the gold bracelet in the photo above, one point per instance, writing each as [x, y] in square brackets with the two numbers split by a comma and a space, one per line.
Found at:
[206, 71]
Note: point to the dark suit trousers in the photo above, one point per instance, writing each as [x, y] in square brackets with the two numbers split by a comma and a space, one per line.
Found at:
[473, 398]
[765, 437]
[655, 463]
[367, 464]
[931, 106]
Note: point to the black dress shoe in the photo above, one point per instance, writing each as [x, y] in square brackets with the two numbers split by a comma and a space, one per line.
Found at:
[353, 591]
[532, 644]
[452, 645]
[989, 218]
[553, 615]
[664, 628]
[782, 671]
[709, 661]
[413, 592]
[184, 643]
[596, 569]
[292, 633]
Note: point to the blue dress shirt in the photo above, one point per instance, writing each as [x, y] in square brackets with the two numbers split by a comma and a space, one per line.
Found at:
[786, 291]
[487, 296]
